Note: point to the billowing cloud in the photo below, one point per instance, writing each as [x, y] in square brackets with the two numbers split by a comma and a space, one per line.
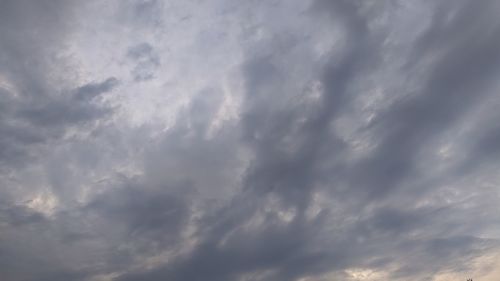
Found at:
[293, 140]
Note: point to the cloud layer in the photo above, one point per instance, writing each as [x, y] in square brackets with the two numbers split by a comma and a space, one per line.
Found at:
[276, 140]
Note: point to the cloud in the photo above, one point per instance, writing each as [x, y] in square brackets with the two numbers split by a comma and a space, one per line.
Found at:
[92, 90]
[146, 61]
[293, 140]
[28, 123]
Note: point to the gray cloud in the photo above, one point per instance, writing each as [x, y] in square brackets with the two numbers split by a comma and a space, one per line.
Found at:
[36, 110]
[348, 137]
[146, 60]
[18, 215]
[92, 90]
[29, 123]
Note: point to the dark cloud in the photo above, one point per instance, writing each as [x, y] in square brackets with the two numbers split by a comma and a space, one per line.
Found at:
[19, 215]
[36, 110]
[228, 250]
[147, 12]
[146, 61]
[365, 140]
[156, 214]
[292, 175]
[92, 90]
[453, 85]
[30, 122]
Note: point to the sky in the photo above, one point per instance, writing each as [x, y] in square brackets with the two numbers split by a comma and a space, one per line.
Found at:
[222, 140]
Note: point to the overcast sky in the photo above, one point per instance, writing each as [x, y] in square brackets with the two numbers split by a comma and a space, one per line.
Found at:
[272, 140]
